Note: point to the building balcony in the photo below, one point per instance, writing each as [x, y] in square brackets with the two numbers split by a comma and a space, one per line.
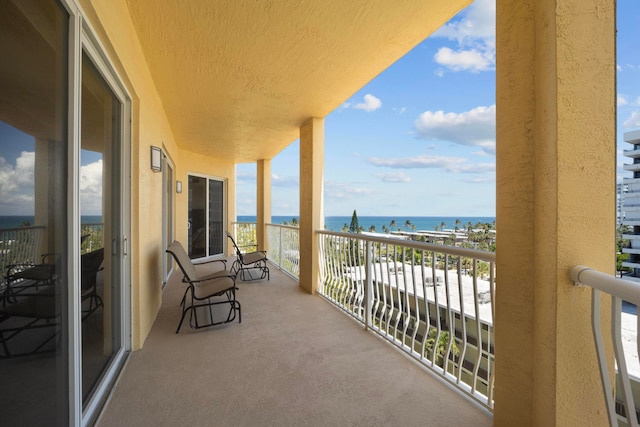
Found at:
[632, 167]
[634, 154]
[294, 360]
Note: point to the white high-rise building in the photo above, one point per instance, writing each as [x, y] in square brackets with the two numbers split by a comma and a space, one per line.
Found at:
[621, 192]
[630, 214]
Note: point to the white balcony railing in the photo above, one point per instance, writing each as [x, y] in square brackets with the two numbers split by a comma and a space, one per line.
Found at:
[91, 237]
[20, 245]
[418, 296]
[620, 290]
[284, 248]
[244, 233]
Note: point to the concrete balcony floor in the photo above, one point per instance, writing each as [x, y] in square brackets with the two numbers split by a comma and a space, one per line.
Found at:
[294, 360]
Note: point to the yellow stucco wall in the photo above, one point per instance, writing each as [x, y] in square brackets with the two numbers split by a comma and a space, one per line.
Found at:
[555, 205]
[110, 20]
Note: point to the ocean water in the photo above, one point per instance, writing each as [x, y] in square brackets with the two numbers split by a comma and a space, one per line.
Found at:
[426, 223]
[12, 221]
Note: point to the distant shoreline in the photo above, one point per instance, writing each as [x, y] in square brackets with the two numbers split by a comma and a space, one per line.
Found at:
[13, 221]
[415, 223]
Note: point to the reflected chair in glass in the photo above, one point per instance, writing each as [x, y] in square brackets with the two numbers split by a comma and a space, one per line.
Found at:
[29, 310]
[25, 278]
[90, 265]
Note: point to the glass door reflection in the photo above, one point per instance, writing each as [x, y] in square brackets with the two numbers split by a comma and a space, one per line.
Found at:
[100, 259]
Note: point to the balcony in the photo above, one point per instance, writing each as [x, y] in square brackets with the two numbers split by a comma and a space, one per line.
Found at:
[294, 360]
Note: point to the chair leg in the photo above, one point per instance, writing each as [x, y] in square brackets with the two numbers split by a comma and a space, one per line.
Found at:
[185, 309]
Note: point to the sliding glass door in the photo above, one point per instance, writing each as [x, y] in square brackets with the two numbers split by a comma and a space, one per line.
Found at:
[167, 217]
[64, 164]
[34, 249]
[206, 216]
[101, 256]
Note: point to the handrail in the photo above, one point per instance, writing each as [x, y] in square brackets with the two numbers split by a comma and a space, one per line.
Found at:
[619, 289]
[626, 289]
[412, 244]
[22, 228]
[293, 227]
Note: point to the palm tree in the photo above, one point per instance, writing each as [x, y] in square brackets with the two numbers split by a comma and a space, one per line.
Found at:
[372, 228]
[407, 223]
[441, 346]
[385, 229]
[458, 223]
[436, 228]
[392, 224]
[443, 225]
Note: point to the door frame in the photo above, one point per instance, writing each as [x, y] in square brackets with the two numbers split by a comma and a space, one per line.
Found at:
[168, 207]
[83, 39]
[224, 210]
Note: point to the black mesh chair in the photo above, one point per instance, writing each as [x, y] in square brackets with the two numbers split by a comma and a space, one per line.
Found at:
[32, 318]
[202, 289]
[247, 262]
[90, 265]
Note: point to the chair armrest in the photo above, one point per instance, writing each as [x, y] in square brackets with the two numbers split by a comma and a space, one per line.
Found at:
[23, 266]
[45, 256]
[224, 261]
[210, 278]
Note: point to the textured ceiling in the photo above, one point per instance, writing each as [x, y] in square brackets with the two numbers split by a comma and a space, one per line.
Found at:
[238, 77]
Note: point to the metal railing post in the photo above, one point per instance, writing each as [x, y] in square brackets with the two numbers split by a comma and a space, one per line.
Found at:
[368, 288]
[280, 255]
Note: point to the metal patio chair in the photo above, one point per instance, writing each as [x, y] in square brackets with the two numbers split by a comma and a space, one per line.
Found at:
[245, 263]
[202, 289]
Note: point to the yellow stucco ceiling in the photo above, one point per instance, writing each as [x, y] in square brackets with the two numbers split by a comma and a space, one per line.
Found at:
[238, 77]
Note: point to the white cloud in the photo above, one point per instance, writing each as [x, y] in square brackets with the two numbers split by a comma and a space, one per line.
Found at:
[244, 177]
[17, 185]
[400, 111]
[476, 127]
[91, 188]
[371, 103]
[450, 164]
[476, 168]
[633, 121]
[338, 190]
[474, 33]
[288, 181]
[622, 100]
[393, 177]
[478, 21]
[418, 162]
[473, 60]
[481, 180]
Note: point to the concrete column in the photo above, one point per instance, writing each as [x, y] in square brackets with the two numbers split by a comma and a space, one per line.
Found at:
[263, 202]
[311, 208]
[556, 146]
[42, 189]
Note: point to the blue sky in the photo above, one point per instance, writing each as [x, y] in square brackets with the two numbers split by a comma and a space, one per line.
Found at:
[419, 140]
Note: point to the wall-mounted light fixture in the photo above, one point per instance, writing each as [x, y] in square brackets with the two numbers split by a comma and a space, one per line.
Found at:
[178, 186]
[156, 159]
